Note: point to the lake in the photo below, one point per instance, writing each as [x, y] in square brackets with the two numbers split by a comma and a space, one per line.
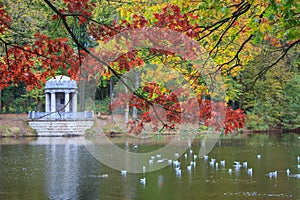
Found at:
[64, 168]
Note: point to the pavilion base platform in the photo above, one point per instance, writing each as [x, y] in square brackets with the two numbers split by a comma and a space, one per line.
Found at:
[61, 128]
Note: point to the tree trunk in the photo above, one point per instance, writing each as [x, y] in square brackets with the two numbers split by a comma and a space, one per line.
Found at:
[39, 104]
[233, 104]
[111, 82]
[136, 86]
[126, 112]
[82, 95]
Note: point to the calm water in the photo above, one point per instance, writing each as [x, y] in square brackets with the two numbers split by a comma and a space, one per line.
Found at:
[62, 168]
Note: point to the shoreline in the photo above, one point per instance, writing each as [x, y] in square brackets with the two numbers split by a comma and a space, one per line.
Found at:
[16, 125]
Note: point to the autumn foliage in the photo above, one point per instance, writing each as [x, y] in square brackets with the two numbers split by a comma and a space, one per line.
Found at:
[165, 110]
[33, 63]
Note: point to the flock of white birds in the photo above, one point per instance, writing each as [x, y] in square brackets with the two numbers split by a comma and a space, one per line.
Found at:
[213, 163]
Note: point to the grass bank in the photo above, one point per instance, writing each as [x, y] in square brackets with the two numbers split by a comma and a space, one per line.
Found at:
[15, 125]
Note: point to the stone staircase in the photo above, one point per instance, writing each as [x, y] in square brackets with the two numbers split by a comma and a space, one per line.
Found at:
[61, 128]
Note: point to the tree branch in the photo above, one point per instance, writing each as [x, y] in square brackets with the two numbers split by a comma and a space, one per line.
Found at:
[285, 51]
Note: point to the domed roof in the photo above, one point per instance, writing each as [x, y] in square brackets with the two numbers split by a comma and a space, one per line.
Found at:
[61, 82]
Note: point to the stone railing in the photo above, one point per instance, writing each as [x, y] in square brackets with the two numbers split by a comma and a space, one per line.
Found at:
[86, 115]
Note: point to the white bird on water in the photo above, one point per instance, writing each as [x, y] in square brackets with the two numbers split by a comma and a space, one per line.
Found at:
[288, 173]
[237, 165]
[245, 164]
[295, 175]
[143, 181]
[176, 163]
[222, 162]
[189, 168]
[258, 156]
[249, 171]
[230, 171]
[104, 176]
[160, 160]
[123, 172]
[178, 171]
[273, 174]
[195, 157]
[150, 162]
[193, 163]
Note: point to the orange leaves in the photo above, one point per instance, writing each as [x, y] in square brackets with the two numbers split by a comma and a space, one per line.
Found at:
[172, 18]
[53, 52]
[17, 68]
[165, 110]
[128, 61]
[4, 19]
[83, 9]
[235, 119]
[135, 127]
[32, 64]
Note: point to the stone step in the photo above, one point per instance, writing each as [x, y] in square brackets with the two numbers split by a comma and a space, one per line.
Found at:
[61, 128]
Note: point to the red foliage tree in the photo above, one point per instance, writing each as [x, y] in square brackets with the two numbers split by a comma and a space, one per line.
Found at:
[33, 63]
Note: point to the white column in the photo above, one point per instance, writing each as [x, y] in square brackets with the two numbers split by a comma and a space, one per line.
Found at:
[53, 102]
[67, 103]
[47, 103]
[74, 100]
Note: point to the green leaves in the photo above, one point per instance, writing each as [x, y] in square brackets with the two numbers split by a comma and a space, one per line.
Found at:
[272, 99]
[291, 114]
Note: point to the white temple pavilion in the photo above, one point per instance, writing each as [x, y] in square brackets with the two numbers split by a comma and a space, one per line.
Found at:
[61, 117]
[61, 95]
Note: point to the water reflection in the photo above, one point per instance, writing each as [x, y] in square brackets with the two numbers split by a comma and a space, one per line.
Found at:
[62, 168]
[62, 171]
